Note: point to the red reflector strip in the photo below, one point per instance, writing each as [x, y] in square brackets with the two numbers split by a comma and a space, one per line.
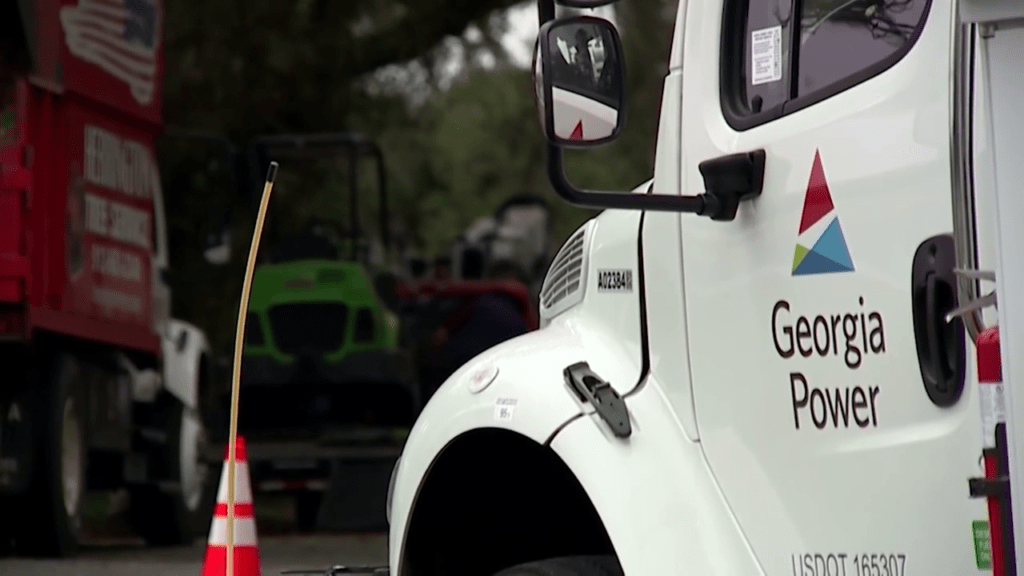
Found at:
[994, 519]
[990, 369]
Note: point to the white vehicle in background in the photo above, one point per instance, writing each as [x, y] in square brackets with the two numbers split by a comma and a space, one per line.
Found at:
[519, 234]
[760, 378]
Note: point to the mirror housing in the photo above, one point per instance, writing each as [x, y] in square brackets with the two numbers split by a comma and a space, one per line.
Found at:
[579, 78]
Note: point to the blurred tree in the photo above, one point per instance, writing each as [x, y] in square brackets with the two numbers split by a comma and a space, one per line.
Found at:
[265, 65]
[455, 145]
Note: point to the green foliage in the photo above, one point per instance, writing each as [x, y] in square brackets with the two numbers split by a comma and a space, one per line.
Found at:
[453, 153]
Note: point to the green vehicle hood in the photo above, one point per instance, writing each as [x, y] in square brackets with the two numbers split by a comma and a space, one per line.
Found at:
[312, 281]
[318, 281]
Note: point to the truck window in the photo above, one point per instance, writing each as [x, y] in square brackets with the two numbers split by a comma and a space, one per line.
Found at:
[842, 39]
[767, 58]
[771, 67]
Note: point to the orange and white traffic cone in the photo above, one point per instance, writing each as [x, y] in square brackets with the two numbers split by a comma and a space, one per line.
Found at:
[247, 554]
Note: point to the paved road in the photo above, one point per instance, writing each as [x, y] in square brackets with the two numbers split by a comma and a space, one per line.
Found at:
[277, 553]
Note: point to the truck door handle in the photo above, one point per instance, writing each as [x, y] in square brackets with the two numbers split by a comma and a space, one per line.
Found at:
[940, 344]
[599, 393]
[934, 335]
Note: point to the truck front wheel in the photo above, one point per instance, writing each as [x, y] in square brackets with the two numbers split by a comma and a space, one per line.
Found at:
[173, 514]
[52, 508]
[567, 566]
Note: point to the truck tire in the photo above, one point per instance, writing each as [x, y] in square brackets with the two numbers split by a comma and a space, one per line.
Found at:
[174, 516]
[567, 566]
[52, 508]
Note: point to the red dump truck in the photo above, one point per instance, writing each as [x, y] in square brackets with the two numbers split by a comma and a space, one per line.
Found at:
[100, 387]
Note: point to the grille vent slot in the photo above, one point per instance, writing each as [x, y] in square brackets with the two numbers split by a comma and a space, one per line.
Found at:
[566, 273]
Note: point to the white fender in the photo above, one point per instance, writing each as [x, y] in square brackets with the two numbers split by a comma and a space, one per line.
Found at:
[527, 394]
[655, 494]
[183, 348]
[518, 385]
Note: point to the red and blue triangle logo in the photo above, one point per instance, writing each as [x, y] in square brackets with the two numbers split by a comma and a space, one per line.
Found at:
[819, 228]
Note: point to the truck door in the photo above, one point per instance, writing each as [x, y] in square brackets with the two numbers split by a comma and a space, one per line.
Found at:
[829, 394]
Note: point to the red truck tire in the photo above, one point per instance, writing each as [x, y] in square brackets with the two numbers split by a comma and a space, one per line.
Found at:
[51, 511]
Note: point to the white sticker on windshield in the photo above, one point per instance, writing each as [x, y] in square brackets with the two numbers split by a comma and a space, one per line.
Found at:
[766, 55]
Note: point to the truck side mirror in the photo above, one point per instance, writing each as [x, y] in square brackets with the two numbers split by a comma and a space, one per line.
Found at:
[579, 77]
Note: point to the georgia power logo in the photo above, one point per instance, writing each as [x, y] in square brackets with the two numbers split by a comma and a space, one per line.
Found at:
[119, 36]
[820, 224]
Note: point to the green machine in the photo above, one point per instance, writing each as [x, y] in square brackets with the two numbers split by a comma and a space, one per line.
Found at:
[322, 347]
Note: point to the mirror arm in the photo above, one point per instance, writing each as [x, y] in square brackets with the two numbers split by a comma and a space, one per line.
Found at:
[728, 180]
[615, 200]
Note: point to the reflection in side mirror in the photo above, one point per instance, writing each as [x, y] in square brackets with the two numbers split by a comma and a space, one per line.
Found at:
[579, 77]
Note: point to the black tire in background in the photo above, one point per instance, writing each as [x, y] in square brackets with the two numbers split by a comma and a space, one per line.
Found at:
[567, 566]
[176, 516]
[51, 511]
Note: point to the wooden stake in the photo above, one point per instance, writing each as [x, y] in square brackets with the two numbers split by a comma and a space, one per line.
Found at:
[243, 308]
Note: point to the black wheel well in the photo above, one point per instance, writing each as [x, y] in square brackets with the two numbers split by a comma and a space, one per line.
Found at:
[494, 499]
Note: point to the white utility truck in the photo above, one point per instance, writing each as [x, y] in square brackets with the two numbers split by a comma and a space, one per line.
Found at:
[747, 365]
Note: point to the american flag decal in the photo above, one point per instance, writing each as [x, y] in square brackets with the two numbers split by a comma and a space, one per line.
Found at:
[119, 36]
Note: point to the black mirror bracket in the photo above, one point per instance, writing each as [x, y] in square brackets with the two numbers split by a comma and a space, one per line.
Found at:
[728, 180]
